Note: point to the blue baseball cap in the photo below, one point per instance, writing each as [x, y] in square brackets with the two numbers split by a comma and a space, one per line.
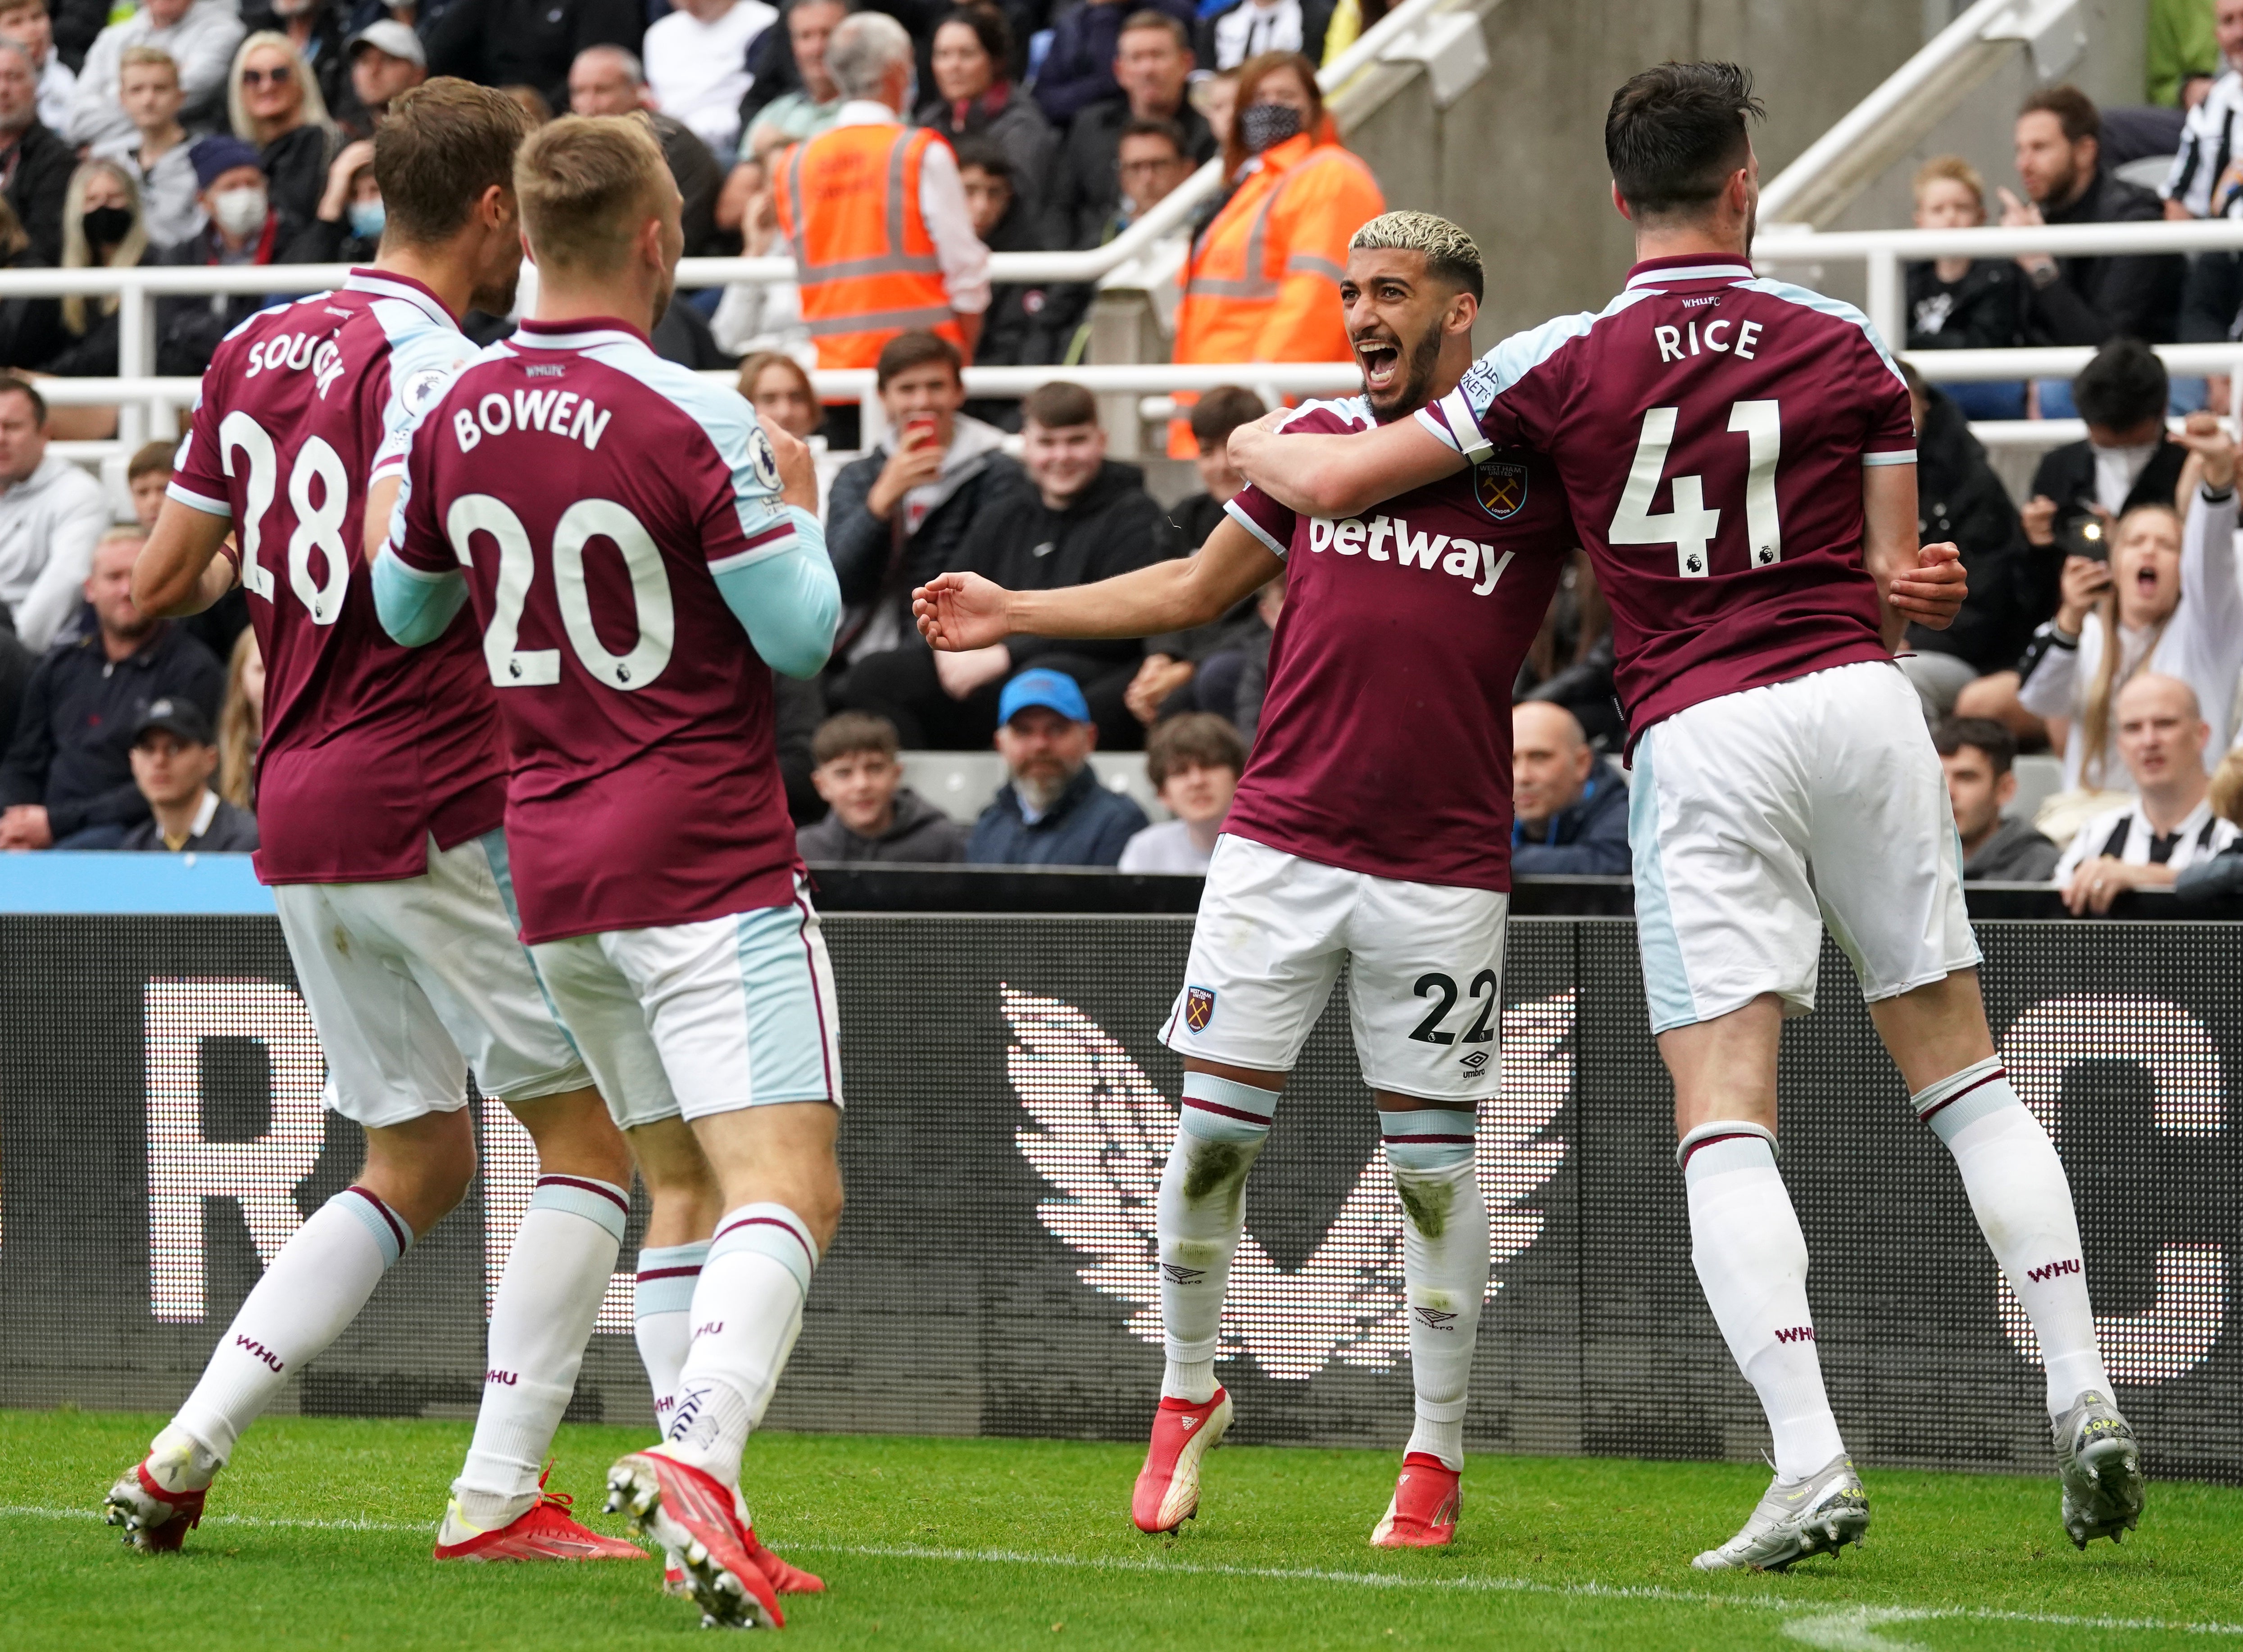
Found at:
[1054, 690]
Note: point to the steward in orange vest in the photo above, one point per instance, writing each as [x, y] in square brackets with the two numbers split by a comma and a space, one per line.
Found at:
[848, 201]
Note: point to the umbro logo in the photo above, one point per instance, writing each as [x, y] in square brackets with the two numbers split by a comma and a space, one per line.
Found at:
[1474, 1061]
[1433, 1319]
[1181, 1275]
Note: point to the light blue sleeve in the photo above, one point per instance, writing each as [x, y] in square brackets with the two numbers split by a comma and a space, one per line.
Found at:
[415, 608]
[789, 603]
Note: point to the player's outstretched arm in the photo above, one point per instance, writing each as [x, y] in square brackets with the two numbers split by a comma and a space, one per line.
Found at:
[1343, 475]
[1921, 584]
[961, 612]
[179, 570]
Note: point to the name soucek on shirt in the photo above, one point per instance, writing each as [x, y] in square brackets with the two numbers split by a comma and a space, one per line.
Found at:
[1710, 429]
[368, 748]
[591, 492]
[1385, 744]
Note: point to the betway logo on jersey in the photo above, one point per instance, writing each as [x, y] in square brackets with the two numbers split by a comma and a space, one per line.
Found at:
[1392, 539]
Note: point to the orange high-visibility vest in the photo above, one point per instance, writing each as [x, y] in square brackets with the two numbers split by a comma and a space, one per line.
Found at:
[1262, 284]
[848, 201]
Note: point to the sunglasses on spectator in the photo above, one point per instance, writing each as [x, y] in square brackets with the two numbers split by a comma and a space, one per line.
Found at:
[267, 77]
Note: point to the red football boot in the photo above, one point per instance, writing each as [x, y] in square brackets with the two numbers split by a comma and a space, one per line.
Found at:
[1423, 1513]
[786, 1579]
[690, 1514]
[545, 1531]
[1168, 1487]
[156, 1521]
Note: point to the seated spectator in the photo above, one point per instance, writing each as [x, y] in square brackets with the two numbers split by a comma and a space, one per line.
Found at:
[102, 229]
[808, 109]
[67, 779]
[347, 223]
[2167, 825]
[156, 154]
[2084, 300]
[1194, 762]
[874, 815]
[607, 80]
[697, 65]
[1027, 323]
[898, 516]
[51, 516]
[500, 43]
[1151, 162]
[1254, 671]
[244, 228]
[241, 723]
[975, 98]
[779, 387]
[1051, 811]
[173, 758]
[1231, 35]
[387, 61]
[36, 164]
[201, 35]
[26, 22]
[273, 101]
[2220, 877]
[315, 29]
[1569, 806]
[1978, 754]
[2166, 603]
[1215, 97]
[1964, 303]
[2209, 131]
[147, 476]
[1083, 68]
[1214, 416]
[1152, 64]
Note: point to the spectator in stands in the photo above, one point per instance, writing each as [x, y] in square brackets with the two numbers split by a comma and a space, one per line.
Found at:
[1965, 303]
[273, 101]
[809, 109]
[1978, 754]
[201, 35]
[156, 154]
[607, 80]
[1214, 416]
[1027, 323]
[314, 29]
[834, 207]
[1151, 64]
[1263, 282]
[102, 229]
[26, 22]
[2167, 825]
[898, 516]
[531, 101]
[1253, 675]
[1215, 97]
[241, 723]
[1194, 762]
[346, 223]
[36, 164]
[2166, 603]
[2083, 300]
[2182, 53]
[174, 759]
[975, 98]
[874, 815]
[2209, 134]
[1569, 806]
[244, 228]
[1051, 811]
[67, 780]
[779, 387]
[498, 43]
[51, 514]
[147, 473]
[1234, 34]
[387, 61]
[1083, 68]
[697, 65]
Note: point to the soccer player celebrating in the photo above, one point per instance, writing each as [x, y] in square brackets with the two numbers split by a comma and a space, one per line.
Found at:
[1782, 772]
[617, 525]
[1372, 827]
[380, 788]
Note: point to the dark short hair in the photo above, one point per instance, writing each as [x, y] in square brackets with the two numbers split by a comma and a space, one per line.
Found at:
[2122, 386]
[1196, 737]
[1981, 733]
[442, 144]
[1675, 133]
[988, 155]
[1153, 125]
[989, 28]
[1221, 411]
[2074, 110]
[847, 733]
[149, 458]
[909, 350]
[1160, 20]
[1059, 406]
[15, 384]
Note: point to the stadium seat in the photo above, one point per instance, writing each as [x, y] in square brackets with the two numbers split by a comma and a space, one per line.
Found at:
[2039, 779]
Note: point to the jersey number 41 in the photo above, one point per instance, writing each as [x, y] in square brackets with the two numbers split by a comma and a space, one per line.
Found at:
[1690, 526]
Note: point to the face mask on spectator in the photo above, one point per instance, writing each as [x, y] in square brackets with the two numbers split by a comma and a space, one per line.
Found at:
[239, 211]
[1266, 126]
[106, 226]
[367, 219]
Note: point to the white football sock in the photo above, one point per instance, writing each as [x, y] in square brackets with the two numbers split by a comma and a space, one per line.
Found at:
[548, 1302]
[663, 1317]
[1445, 1256]
[1751, 1259]
[1202, 1211]
[314, 1289]
[747, 1311]
[2023, 1201]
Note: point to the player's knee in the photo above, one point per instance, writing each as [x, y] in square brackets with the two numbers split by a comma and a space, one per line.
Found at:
[575, 1136]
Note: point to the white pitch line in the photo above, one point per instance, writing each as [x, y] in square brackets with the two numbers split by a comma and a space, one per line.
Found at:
[26, 1511]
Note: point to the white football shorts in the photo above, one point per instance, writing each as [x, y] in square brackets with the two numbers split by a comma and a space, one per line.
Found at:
[1759, 816]
[412, 982]
[702, 1018]
[1424, 984]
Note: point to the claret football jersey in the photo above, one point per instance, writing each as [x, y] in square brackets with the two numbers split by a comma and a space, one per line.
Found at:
[1710, 429]
[368, 748]
[1385, 744]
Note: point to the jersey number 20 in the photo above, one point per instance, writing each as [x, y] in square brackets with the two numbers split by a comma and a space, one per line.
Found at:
[583, 522]
[1690, 526]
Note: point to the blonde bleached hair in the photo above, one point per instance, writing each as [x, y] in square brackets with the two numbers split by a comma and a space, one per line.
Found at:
[586, 182]
[312, 110]
[1449, 252]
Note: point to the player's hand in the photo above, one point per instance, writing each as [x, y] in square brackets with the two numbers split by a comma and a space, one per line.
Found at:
[797, 471]
[25, 827]
[961, 673]
[1157, 679]
[2082, 581]
[1932, 592]
[957, 612]
[2205, 436]
[1252, 439]
[2039, 517]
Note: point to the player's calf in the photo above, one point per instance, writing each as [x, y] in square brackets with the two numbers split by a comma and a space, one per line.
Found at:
[1201, 1214]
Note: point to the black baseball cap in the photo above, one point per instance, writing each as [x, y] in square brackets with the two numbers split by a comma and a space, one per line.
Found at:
[182, 718]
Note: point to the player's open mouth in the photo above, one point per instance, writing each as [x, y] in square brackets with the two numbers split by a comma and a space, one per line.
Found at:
[1381, 362]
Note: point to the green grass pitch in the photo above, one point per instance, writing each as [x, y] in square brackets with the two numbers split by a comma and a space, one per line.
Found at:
[319, 1538]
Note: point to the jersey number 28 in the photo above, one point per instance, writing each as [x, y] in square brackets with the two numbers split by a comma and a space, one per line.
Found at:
[1690, 526]
[319, 526]
[583, 522]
